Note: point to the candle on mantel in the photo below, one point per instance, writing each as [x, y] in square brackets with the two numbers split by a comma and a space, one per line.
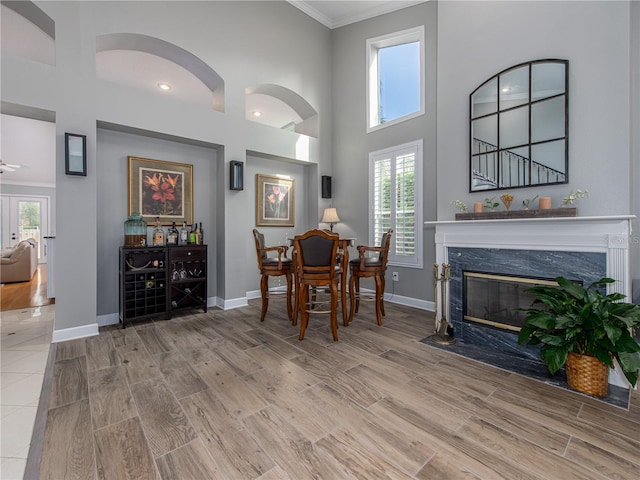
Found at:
[477, 207]
[545, 203]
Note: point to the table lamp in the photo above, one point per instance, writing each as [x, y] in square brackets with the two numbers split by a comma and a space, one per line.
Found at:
[330, 216]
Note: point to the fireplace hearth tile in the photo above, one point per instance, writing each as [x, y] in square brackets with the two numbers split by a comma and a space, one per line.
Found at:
[527, 365]
[578, 248]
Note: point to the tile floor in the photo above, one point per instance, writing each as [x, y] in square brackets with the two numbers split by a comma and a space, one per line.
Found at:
[26, 339]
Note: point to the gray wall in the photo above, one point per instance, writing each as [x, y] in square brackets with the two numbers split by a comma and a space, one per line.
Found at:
[112, 169]
[247, 43]
[479, 39]
[600, 40]
[352, 144]
[250, 43]
[474, 41]
[275, 235]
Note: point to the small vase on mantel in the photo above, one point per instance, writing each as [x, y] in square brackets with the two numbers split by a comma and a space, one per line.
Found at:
[506, 199]
[545, 203]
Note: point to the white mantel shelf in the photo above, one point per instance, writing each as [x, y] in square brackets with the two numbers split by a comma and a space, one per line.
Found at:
[607, 234]
[604, 218]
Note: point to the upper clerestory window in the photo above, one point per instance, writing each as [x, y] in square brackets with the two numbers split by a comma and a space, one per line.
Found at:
[395, 78]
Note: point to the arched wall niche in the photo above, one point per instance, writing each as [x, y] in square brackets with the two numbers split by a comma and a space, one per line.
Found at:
[116, 50]
[28, 32]
[281, 108]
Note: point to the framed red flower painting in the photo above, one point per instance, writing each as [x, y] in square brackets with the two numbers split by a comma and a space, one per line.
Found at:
[161, 189]
[275, 197]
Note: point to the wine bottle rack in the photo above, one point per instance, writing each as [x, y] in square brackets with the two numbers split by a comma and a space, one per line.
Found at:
[155, 282]
[143, 283]
[187, 277]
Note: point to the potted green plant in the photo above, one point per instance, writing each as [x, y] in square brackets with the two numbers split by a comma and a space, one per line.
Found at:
[491, 204]
[580, 326]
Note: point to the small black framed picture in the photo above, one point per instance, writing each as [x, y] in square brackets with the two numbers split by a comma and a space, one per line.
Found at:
[75, 159]
[236, 175]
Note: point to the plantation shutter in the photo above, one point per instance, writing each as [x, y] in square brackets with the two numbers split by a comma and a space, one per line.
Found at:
[382, 198]
[395, 190]
[405, 205]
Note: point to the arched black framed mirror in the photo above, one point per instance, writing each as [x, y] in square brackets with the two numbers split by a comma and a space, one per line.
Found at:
[519, 124]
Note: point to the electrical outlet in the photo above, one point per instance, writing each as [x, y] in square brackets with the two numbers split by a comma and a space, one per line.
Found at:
[395, 277]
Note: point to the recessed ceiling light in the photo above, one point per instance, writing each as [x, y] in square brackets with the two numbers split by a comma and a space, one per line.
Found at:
[256, 113]
[505, 89]
[164, 86]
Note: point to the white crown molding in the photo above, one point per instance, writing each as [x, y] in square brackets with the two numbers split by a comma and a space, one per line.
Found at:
[367, 9]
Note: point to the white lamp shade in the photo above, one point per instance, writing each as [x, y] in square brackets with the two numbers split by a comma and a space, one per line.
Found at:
[330, 216]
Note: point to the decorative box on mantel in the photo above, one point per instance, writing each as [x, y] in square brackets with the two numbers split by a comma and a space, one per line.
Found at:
[546, 213]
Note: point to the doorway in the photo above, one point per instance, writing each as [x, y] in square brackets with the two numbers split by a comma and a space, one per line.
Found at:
[24, 217]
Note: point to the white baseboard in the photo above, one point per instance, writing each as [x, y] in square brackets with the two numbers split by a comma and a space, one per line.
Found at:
[114, 319]
[388, 297]
[75, 332]
[258, 294]
[253, 294]
[233, 303]
[212, 301]
[410, 302]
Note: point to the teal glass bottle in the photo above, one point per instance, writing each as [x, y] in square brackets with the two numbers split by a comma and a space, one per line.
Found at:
[135, 231]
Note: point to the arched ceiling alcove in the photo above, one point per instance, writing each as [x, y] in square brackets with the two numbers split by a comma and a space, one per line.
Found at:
[27, 32]
[142, 61]
[281, 108]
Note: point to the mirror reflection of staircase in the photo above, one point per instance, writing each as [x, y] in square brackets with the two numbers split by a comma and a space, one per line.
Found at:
[493, 168]
[15, 296]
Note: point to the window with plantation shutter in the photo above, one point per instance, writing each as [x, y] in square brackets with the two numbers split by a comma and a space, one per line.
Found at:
[395, 186]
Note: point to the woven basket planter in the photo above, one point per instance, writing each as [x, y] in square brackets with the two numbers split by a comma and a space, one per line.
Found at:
[587, 374]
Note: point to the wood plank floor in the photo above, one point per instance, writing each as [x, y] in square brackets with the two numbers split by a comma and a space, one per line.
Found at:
[19, 295]
[223, 396]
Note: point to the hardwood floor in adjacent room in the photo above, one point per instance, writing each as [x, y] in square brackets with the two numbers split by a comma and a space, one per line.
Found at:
[222, 396]
[18, 295]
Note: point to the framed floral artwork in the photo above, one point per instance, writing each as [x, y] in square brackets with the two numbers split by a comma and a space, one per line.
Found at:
[161, 189]
[275, 198]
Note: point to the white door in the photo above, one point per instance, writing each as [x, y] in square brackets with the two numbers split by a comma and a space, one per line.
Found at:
[25, 217]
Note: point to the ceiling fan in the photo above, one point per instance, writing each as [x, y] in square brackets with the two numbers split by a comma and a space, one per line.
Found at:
[8, 167]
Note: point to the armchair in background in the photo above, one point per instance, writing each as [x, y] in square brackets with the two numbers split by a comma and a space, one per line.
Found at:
[370, 266]
[273, 266]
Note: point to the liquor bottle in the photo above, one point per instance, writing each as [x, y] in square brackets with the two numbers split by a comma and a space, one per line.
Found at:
[197, 242]
[201, 234]
[184, 234]
[157, 238]
[192, 235]
[172, 235]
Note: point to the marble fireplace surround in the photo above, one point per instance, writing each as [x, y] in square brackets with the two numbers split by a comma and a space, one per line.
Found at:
[582, 248]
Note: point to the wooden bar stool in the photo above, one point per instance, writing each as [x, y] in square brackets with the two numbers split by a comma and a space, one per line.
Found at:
[317, 265]
[273, 266]
[374, 266]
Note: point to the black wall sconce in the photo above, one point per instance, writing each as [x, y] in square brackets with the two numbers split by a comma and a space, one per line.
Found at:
[326, 186]
[236, 175]
[75, 154]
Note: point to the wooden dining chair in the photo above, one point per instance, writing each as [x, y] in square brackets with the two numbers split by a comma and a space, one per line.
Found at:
[273, 262]
[317, 265]
[369, 266]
